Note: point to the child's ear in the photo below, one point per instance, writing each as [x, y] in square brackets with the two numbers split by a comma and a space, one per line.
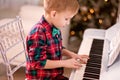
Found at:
[53, 14]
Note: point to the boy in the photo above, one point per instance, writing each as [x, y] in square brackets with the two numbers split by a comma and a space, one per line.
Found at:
[44, 43]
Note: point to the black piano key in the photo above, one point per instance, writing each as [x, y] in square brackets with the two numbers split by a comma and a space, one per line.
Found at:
[94, 47]
[98, 41]
[92, 70]
[93, 76]
[98, 52]
[95, 56]
[94, 60]
[98, 46]
[93, 65]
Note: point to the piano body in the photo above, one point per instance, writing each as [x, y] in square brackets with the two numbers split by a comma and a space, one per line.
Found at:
[104, 63]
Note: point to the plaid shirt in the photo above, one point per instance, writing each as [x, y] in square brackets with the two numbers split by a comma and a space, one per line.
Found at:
[43, 42]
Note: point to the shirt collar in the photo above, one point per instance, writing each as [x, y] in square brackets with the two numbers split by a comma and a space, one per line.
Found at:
[49, 28]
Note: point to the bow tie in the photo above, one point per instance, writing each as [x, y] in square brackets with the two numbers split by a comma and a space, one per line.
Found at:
[55, 31]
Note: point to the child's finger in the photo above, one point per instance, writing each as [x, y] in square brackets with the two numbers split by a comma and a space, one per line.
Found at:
[77, 65]
[82, 61]
[84, 56]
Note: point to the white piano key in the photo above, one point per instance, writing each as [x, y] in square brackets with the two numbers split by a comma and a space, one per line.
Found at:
[87, 42]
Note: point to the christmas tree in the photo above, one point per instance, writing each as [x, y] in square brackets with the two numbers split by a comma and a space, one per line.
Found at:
[100, 14]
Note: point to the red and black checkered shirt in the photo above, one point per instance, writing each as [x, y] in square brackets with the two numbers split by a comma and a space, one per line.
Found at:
[43, 42]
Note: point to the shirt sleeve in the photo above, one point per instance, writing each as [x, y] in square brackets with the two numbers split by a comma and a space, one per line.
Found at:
[36, 47]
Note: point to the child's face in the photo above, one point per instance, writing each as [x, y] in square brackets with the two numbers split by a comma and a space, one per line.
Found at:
[62, 19]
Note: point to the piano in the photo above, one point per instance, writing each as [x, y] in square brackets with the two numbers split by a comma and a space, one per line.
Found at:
[103, 48]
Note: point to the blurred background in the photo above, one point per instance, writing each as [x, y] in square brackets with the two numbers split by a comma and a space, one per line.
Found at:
[100, 14]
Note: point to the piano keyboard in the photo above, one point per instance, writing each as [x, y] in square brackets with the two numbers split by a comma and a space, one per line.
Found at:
[91, 71]
[93, 66]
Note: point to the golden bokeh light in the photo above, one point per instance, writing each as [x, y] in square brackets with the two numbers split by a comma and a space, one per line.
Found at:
[85, 18]
[92, 11]
[106, 0]
[89, 16]
[72, 33]
[100, 21]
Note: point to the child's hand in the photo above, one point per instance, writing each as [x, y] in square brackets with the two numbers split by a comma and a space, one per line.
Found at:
[81, 58]
[71, 63]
